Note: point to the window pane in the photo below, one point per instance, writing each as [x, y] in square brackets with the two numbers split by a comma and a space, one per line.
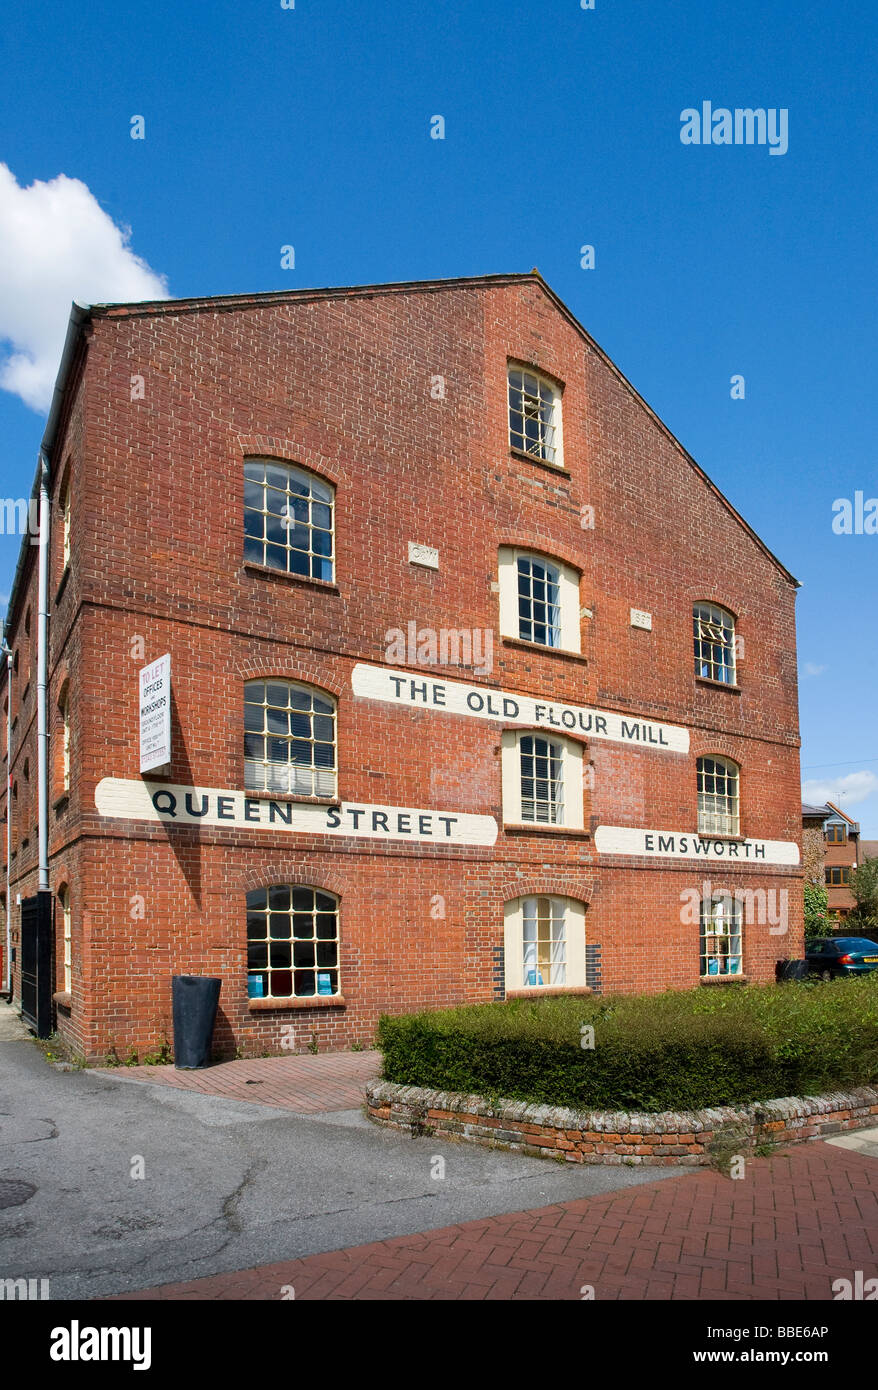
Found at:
[539, 602]
[288, 519]
[714, 643]
[299, 740]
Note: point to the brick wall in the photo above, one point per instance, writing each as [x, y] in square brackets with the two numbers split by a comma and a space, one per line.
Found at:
[579, 1136]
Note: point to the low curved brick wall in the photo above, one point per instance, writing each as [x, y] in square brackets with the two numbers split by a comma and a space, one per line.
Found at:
[590, 1136]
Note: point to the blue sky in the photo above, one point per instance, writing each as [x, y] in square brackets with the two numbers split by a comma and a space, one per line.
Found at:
[267, 127]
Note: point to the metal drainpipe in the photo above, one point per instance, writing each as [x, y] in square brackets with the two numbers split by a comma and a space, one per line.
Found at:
[42, 682]
[7, 958]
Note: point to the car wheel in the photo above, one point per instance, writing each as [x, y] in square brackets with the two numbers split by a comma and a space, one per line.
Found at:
[826, 974]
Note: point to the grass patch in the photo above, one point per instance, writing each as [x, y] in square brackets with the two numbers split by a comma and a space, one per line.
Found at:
[681, 1050]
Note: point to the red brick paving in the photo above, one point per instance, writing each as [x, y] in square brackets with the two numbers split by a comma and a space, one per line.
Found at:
[785, 1231]
[307, 1084]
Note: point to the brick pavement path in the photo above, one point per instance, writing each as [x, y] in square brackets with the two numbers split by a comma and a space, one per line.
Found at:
[792, 1225]
[307, 1084]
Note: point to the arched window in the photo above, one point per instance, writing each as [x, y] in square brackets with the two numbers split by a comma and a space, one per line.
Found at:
[64, 905]
[292, 942]
[718, 802]
[64, 712]
[714, 637]
[65, 523]
[289, 739]
[542, 780]
[288, 519]
[534, 415]
[544, 939]
[539, 599]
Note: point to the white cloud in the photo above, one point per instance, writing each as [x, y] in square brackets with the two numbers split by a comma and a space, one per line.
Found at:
[809, 669]
[57, 244]
[844, 791]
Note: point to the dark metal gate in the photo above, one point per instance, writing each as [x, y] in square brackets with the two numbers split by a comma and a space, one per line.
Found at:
[36, 963]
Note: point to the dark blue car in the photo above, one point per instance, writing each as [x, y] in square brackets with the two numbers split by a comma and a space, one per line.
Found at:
[830, 956]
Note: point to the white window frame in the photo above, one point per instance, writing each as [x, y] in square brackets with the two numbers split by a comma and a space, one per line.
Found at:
[713, 817]
[290, 778]
[549, 452]
[67, 937]
[65, 526]
[280, 526]
[514, 943]
[65, 740]
[570, 639]
[722, 936]
[572, 798]
[713, 632]
[291, 911]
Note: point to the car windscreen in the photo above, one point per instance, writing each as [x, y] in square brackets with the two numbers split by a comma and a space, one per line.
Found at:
[858, 943]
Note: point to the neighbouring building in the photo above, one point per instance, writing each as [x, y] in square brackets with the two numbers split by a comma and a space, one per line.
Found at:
[477, 686]
[814, 843]
[841, 837]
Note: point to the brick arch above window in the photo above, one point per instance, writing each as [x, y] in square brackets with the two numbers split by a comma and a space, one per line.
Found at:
[291, 452]
[716, 601]
[704, 745]
[544, 544]
[296, 671]
[306, 876]
[579, 889]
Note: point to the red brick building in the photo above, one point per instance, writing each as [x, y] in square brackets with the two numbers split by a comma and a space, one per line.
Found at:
[841, 835]
[478, 685]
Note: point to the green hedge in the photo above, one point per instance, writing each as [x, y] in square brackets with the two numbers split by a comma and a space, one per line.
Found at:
[681, 1050]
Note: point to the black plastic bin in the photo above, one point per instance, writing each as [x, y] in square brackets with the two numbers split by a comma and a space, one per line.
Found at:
[791, 970]
[195, 999]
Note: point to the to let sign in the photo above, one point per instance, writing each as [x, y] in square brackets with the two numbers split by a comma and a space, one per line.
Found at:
[155, 714]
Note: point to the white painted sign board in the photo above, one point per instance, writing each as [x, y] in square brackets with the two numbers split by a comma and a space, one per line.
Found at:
[182, 805]
[441, 696]
[687, 844]
[155, 714]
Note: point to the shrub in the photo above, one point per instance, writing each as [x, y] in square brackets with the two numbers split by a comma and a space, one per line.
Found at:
[680, 1050]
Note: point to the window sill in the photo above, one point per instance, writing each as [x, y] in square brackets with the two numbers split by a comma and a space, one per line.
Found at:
[549, 991]
[572, 831]
[314, 1001]
[718, 685]
[63, 998]
[60, 806]
[723, 980]
[718, 835]
[545, 651]
[539, 463]
[292, 796]
[62, 582]
[252, 567]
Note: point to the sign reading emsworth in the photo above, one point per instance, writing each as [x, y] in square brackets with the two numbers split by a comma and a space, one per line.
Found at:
[676, 844]
[155, 714]
[179, 805]
[455, 697]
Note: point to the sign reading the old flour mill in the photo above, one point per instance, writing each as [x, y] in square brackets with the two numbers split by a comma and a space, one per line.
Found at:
[155, 714]
[481, 702]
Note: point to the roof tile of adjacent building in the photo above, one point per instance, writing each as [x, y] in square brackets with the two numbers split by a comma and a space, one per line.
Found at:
[853, 825]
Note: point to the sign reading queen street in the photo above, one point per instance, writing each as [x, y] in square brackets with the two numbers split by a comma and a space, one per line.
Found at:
[180, 805]
[482, 702]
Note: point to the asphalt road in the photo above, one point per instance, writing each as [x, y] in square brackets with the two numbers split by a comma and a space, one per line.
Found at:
[226, 1184]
